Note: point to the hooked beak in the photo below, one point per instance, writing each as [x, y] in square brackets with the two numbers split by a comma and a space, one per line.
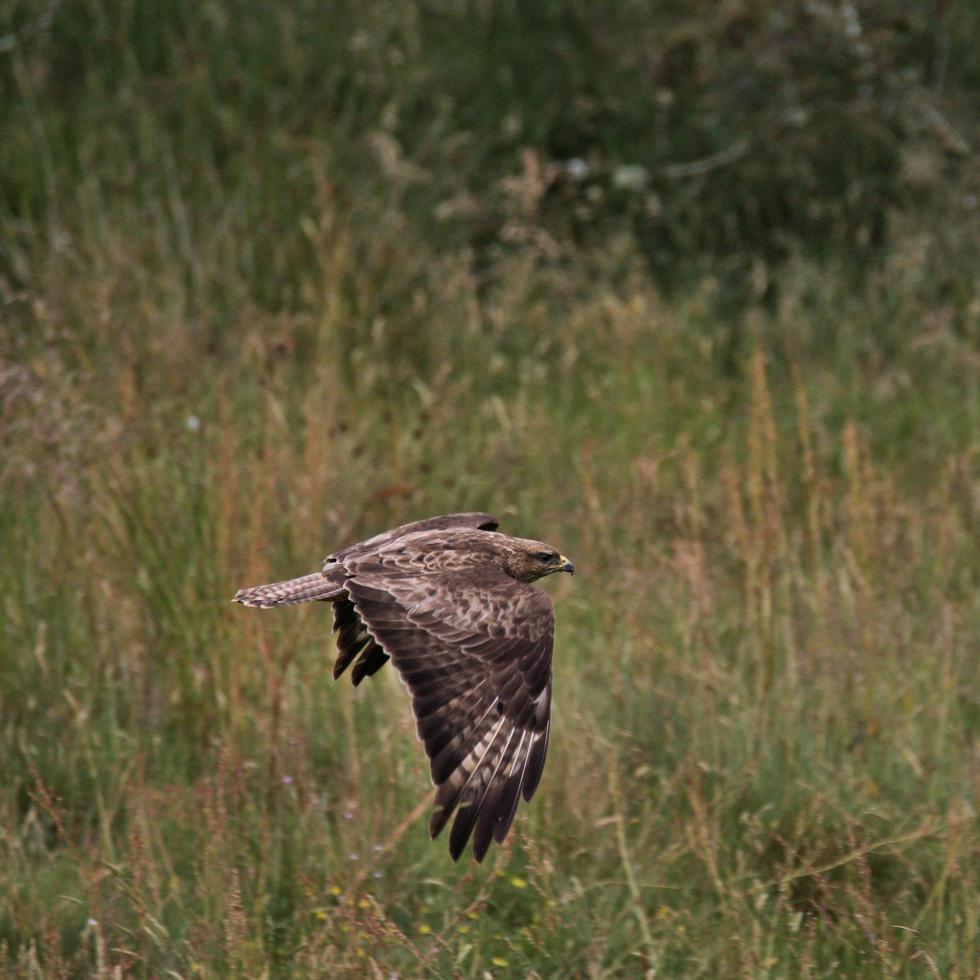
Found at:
[566, 565]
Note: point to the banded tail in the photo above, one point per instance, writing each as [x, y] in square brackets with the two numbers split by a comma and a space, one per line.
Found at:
[307, 588]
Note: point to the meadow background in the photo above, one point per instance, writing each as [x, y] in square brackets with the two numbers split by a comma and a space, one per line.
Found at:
[688, 289]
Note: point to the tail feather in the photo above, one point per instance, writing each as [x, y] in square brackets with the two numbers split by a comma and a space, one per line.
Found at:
[307, 588]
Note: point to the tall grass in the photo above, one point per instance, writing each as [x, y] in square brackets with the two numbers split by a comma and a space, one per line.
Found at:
[225, 352]
[766, 717]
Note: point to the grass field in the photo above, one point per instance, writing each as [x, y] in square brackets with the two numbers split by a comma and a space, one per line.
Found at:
[228, 345]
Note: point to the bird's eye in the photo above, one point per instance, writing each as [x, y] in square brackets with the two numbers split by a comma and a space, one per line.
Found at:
[546, 557]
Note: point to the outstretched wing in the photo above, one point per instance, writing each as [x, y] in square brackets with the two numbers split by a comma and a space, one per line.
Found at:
[474, 520]
[475, 651]
[355, 645]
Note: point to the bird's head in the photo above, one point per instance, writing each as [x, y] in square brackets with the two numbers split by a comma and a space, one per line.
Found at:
[528, 560]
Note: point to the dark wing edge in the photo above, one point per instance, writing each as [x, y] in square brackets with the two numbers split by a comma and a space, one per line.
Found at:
[354, 644]
[482, 703]
[476, 520]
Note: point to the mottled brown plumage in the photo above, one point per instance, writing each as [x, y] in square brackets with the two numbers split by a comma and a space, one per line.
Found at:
[449, 600]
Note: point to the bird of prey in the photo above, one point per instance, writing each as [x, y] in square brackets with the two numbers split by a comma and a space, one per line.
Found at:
[450, 601]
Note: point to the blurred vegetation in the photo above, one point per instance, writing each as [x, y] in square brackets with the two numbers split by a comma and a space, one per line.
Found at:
[733, 133]
[690, 292]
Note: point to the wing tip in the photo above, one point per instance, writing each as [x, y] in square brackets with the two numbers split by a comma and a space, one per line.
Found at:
[460, 836]
[437, 821]
[458, 845]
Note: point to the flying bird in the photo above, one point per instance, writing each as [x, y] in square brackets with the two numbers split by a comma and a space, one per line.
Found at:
[449, 601]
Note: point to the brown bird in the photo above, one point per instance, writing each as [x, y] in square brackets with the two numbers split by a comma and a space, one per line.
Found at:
[449, 600]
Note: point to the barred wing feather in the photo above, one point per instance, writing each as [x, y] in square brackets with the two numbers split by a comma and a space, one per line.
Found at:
[476, 656]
